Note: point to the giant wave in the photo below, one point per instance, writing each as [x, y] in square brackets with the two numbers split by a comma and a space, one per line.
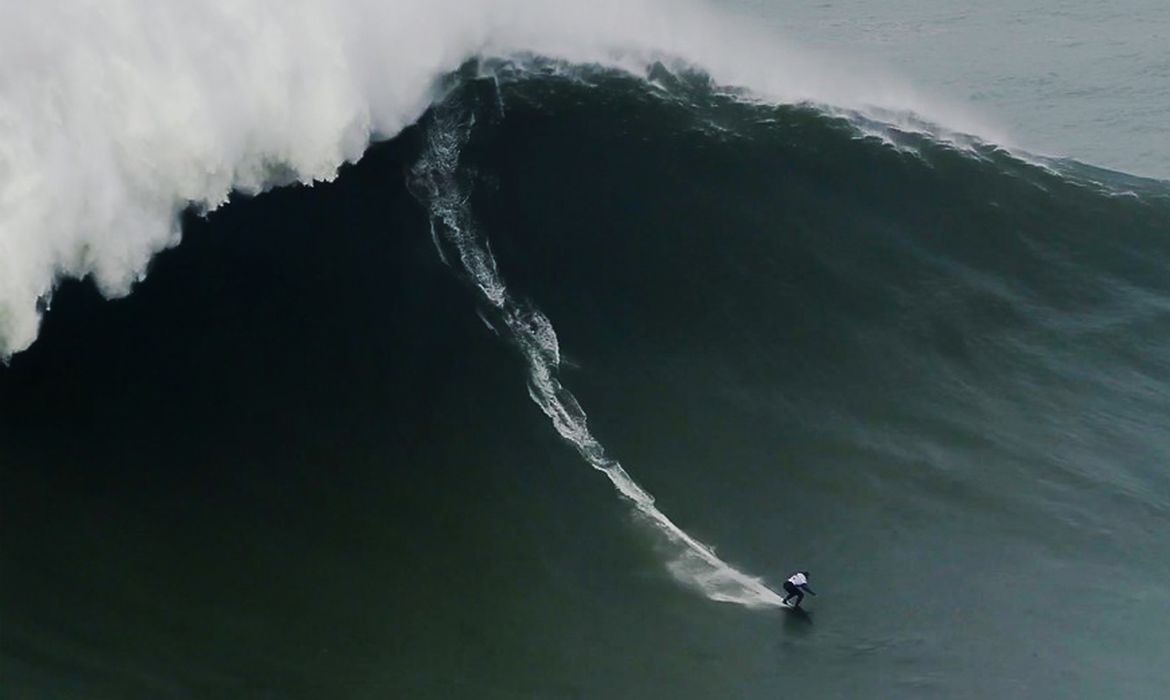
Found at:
[155, 109]
[821, 339]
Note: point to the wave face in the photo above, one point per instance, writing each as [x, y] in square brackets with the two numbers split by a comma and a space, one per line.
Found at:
[437, 176]
[298, 465]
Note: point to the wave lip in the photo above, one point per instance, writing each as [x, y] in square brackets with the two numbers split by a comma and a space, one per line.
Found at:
[116, 117]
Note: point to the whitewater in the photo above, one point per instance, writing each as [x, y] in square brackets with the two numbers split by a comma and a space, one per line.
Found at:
[116, 117]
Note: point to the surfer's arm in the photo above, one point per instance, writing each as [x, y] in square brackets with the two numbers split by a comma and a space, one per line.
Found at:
[807, 589]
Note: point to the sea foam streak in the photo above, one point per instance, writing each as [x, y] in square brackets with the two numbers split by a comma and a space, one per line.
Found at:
[435, 179]
[116, 116]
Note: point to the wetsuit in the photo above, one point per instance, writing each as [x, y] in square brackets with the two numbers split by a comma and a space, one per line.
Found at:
[795, 587]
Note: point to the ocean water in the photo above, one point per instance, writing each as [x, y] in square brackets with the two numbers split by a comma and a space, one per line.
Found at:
[1071, 79]
[545, 392]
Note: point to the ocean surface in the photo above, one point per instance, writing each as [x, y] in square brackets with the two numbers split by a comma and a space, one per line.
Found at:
[1066, 78]
[544, 393]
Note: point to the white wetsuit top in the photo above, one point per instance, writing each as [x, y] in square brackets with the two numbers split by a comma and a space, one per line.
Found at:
[797, 579]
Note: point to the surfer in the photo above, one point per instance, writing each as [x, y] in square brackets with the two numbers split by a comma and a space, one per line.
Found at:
[796, 586]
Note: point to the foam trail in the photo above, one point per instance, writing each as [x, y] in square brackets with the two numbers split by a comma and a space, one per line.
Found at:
[435, 176]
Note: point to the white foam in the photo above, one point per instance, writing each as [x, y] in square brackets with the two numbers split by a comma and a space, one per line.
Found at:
[117, 115]
[690, 561]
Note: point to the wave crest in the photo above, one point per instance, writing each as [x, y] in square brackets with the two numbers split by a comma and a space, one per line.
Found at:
[118, 116]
